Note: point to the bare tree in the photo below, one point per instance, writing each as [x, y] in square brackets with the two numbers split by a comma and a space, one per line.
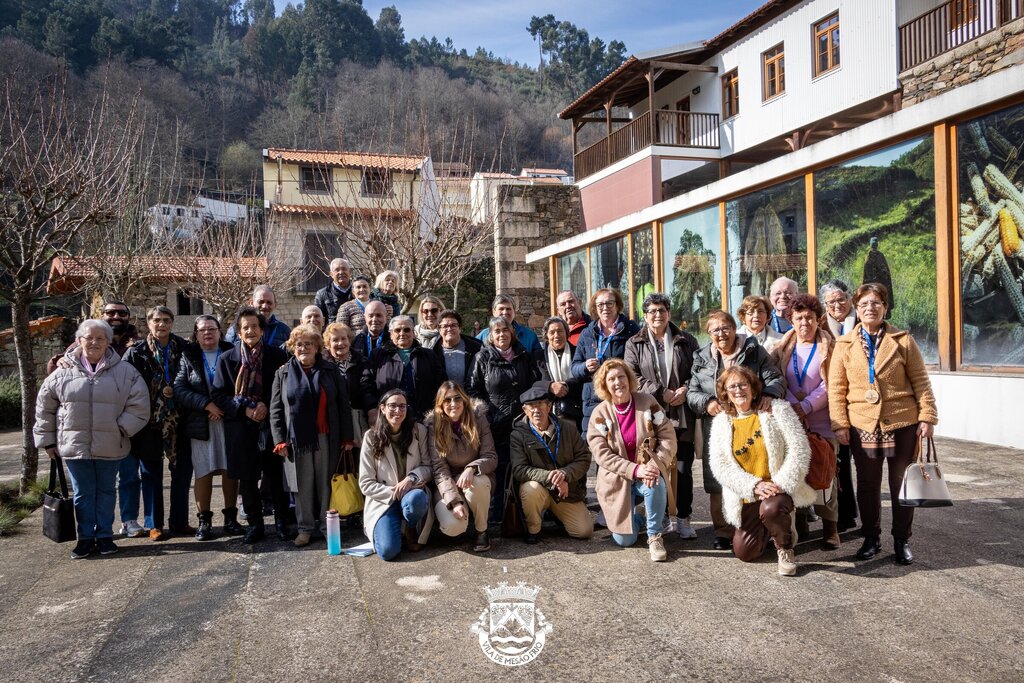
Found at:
[59, 173]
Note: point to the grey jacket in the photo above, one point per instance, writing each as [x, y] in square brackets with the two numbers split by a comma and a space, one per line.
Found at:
[91, 418]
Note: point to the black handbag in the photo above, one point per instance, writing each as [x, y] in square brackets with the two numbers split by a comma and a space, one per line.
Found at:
[58, 507]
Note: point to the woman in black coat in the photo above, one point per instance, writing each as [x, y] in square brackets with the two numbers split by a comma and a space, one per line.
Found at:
[403, 364]
[502, 370]
[556, 369]
[242, 389]
[203, 424]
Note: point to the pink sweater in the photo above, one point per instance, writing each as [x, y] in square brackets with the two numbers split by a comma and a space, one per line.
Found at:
[815, 403]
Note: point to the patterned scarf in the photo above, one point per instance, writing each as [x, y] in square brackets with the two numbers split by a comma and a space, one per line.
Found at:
[877, 443]
[249, 383]
[165, 413]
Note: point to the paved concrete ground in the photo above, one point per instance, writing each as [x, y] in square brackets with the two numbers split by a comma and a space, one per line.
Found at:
[184, 611]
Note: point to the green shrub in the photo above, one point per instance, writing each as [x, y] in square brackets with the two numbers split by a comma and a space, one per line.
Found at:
[10, 402]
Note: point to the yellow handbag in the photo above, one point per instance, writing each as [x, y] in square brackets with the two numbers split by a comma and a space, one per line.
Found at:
[346, 497]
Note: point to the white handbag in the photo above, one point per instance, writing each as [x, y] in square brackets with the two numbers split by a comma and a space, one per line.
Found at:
[923, 483]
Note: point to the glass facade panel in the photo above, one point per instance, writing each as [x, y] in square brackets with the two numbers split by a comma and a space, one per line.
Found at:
[608, 266]
[875, 222]
[643, 270]
[693, 271]
[767, 234]
[991, 230]
[572, 274]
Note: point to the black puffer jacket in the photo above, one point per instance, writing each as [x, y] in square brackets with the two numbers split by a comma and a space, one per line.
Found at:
[587, 348]
[192, 391]
[499, 383]
[384, 370]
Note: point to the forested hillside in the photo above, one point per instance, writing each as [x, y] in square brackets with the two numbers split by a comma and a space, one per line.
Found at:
[220, 79]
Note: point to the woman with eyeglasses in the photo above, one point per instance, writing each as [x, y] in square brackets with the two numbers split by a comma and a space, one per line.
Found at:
[759, 453]
[881, 404]
[394, 470]
[725, 350]
[403, 364]
[463, 460]
[754, 313]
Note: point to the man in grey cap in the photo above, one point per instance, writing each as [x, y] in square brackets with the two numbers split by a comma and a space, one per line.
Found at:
[550, 461]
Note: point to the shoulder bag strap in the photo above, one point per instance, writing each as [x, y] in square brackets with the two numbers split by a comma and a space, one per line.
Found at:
[57, 470]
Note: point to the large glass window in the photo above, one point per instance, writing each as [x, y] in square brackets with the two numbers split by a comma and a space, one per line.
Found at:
[693, 271]
[608, 267]
[875, 222]
[991, 225]
[572, 274]
[767, 233]
[643, 270]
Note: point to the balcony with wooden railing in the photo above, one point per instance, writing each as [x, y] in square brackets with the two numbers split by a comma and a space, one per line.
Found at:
[670, 128]
[952, 24]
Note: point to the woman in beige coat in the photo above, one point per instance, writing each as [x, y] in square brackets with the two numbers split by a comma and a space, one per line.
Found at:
[634, 445]
[394, 470]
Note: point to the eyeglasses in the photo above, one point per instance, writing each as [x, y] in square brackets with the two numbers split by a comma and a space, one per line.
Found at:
[604, 304]
[656, 312]
[737, 387]
[870, 304]
[397, 407]
[835, 304]
[202, 330]
[400, 330]
[720, 331]
[452, 399]
[430, 311]
[117, 313]
[448, 326]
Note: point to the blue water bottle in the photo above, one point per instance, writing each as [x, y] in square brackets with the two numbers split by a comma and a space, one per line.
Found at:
[333, 533]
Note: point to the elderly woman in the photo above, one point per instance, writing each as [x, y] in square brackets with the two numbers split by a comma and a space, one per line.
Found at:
[403, 364]
[839, 318]
[754, 313]
[634, 445]
[725, 350]
[761, 458]
[427, 332]
[311, 422]
[601, 340]
[463, 460]
[242, 388]
[353, 313]
[394, 469]
[556, 368]
[86, 414]
[338, 341]
[660, 355]
[502, 370]
[881, 402]
[803, 356]
[203, 424]
[385, 290]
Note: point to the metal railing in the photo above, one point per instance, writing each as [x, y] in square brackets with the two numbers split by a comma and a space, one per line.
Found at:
[950, 25]
[672, 128]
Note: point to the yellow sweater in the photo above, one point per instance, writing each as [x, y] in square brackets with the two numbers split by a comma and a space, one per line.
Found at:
[748, 446]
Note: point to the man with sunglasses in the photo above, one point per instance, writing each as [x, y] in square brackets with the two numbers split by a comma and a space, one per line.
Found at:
[119, 317]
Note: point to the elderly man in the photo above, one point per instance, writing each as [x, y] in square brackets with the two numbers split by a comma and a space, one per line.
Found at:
[330, 298]
[550, 461]
[376, 318]
[455, 351]
[505, 307]
[403, 364]
[427, 333]
[571, 311]
[276, 332]
[312, 315]
[782, 293]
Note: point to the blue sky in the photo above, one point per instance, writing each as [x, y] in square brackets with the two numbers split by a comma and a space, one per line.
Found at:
[500, 25]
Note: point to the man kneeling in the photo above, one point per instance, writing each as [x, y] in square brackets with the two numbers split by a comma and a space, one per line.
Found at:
[550, 461]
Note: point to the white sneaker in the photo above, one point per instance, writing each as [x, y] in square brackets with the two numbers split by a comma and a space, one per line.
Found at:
[670, 524]
[787, 562]
[132, 529]
[685, 530]
[656, 546]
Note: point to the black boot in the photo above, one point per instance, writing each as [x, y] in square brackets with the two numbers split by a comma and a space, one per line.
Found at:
[902, 549]
[231, 525]
[872, 546]
[205, 530]
[285, 531]
[255, 533]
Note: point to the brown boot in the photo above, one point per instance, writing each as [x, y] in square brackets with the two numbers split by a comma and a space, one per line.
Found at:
[830, 535]
[409, 540]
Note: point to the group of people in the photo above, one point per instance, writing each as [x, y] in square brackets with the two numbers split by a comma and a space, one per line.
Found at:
[444, 428]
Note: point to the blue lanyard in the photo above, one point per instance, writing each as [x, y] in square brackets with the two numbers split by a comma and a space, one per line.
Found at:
[796, 372]
[603, 342]
[842, 328]
[369, 349]
[775, 322]
[210, 372]
[165, 351]
[871, 356]
[362, 306]
[558, 440]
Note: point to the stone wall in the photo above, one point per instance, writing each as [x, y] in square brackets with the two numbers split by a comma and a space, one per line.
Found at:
[49, 336]
[527, 218]
[999, 49]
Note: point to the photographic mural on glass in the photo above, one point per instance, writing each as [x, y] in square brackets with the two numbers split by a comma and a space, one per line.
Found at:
[767, 235]
[875, 222]
[693, 272]
[572, 274]
[643, 270]
[608, 267]
[991, 174]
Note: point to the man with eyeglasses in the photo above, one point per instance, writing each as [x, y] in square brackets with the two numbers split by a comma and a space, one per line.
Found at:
[782, 293]
[119, 317]
[427, 332]
[402, 364]
[571, 311]
[455, 351]
[504, 307]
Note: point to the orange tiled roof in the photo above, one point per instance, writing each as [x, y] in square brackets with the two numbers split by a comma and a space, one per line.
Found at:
[496, 175]
[396, 162]
[546, 171]
[328, 210]
[68, 273]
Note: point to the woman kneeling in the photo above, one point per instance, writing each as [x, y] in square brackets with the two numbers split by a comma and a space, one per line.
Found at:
[761, 460]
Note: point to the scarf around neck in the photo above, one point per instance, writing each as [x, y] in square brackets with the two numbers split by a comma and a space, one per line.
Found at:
[249, 383]
[559, 364]
[303, 392]
[164, 361]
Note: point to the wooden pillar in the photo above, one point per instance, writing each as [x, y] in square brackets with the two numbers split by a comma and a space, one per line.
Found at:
[650, 103]
[658, 232]
[575, 129]
[812, 241]
[553, 284]
[608, 129]
[947, 247]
